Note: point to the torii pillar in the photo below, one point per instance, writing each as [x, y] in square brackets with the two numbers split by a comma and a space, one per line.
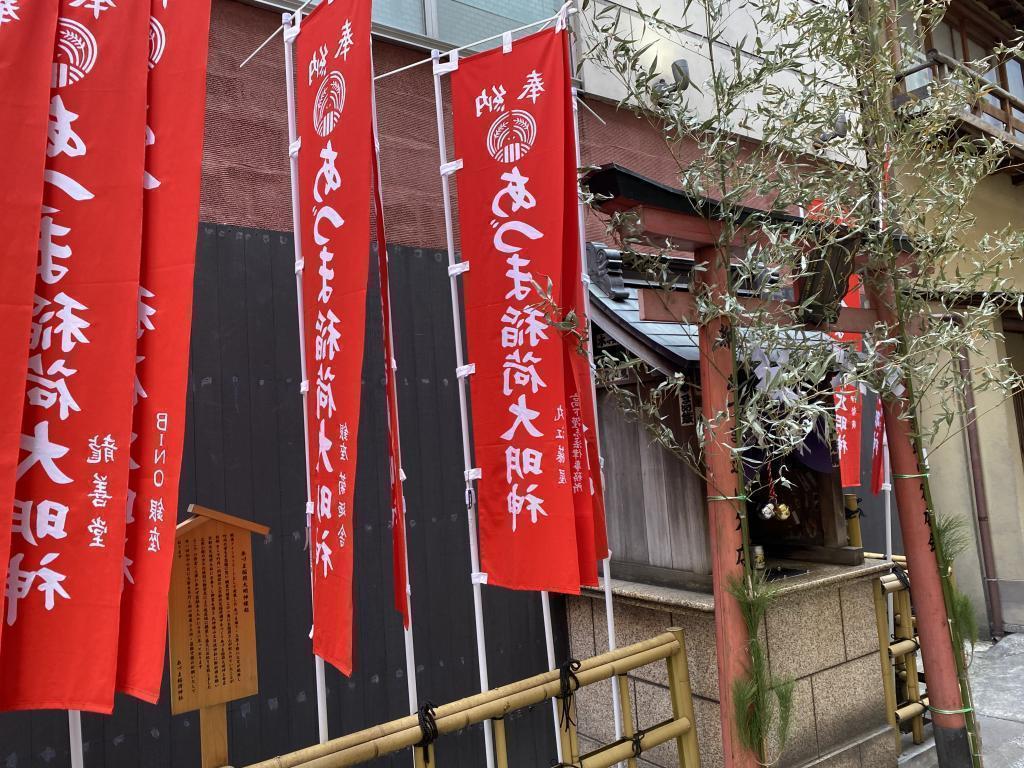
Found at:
[716, 368]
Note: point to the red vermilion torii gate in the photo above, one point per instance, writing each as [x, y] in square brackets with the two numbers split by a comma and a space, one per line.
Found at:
[667, 215]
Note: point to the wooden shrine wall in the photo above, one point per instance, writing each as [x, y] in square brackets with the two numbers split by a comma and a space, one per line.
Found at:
[244, 456]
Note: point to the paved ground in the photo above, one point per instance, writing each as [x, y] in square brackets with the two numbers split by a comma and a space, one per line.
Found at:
[997, 680]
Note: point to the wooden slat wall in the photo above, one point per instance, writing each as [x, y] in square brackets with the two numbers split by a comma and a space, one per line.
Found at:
[244, 455]
[655, 501]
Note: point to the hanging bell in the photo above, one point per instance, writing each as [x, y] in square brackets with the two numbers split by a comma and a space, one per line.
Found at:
[768, 511]
[782, 512]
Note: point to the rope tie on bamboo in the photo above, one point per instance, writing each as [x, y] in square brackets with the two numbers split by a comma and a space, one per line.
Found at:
[901, 575]
[428, 727]
[638, 746]
[961, 711]
[910, 476]
[569, 684]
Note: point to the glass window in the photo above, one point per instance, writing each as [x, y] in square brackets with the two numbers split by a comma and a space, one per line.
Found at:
[466, 21]
[406, 15]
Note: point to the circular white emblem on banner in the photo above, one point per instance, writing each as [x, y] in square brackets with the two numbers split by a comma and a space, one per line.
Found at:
[330, 101]
[511, 136]
[75, 55]
[157, 41]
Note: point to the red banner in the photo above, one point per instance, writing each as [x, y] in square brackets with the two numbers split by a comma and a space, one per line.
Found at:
[848, 404]
[878, 450]
[65, 573]
[177, 86]
[334, 92]
[512, 121]
[399, 558]
[26, 55]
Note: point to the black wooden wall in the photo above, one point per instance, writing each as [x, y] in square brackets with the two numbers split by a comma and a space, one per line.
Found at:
[244, 455]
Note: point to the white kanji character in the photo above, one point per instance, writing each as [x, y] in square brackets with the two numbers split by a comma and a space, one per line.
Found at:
[521, 462]
[50, 520]
[156, 510]
[325, 392]
[126, 570]
[514, 189]
[61, 138]
[96, 6]
[492, 102]
[323, 554]
[51, 386]
[344, 41]
[532, 503]
[98, 530]
[146, 312]
[317, 63]
[521, 371]
[342, 536]
[102, 451]
[534, 86]
[524, 417]
[328, 336]
[8, 11]
[19, 583]
[138, 393]
[44, 453]
[154, 540]
[324, 449]
[522, 325]
[70, 327]
[325, 501]
[149, 181]
[99, 494]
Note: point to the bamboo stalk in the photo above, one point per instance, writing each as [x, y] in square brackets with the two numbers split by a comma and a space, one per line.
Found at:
[500, 743]
[888, 681]
[623, 750]
[654, 649]
[626, 706]
[682, 702]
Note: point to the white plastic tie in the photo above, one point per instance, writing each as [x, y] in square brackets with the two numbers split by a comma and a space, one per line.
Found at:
[291, 32]
[465, 370]
[506, 43]
[458, 269]
[309, 510]
[473, 474]
[563, 18]
[451, 167]
[294, 147]
[586, 279]
[449, 66]
[478, 578]
[304, 386]
[401, 475]
[299, 264]
[311, 632]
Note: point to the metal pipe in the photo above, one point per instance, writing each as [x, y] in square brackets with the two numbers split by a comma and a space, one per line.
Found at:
[290, 23]
[549, 643]
[467, 455]
[75, 738]
[988, 560]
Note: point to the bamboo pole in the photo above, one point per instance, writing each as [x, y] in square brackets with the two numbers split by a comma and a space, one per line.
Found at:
[622, 750]
[626, 708]
[905, 633]
[682, 702]
[661, 646]
[888, 671]
[500, 742]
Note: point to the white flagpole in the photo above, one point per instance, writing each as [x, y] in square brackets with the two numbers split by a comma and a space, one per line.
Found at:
[609, 608]
[549, 642]
[291, 29]
[75, 738]
[461, 373]
[389, 353]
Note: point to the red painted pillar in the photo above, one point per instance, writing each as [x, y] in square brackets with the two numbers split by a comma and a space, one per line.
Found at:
[937, 650]
[716, 363]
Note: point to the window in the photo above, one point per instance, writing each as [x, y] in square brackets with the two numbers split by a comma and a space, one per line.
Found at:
[458, 22]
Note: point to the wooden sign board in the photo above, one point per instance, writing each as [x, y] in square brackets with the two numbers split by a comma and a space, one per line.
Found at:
[212, 620]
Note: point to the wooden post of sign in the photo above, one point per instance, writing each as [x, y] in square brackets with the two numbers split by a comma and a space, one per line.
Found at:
[212, 623]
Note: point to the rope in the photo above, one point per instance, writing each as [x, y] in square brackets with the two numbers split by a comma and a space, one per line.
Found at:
[901, 574]
[428, 727]
[638, 747]
[569, 685]
[910, 477]
[961, 711]
[727, 498]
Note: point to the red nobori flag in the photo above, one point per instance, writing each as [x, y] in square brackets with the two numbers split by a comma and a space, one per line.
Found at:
[26, 55]
[67, 546]
[848, 403]
[584, 461]
[511, 130]
[878, 449]
[177, 87]
[334, 85]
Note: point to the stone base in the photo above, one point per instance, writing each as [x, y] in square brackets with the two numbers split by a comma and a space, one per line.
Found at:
[820, 633]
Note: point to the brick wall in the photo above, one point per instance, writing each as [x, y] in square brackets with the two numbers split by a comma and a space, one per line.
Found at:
[245, 162]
